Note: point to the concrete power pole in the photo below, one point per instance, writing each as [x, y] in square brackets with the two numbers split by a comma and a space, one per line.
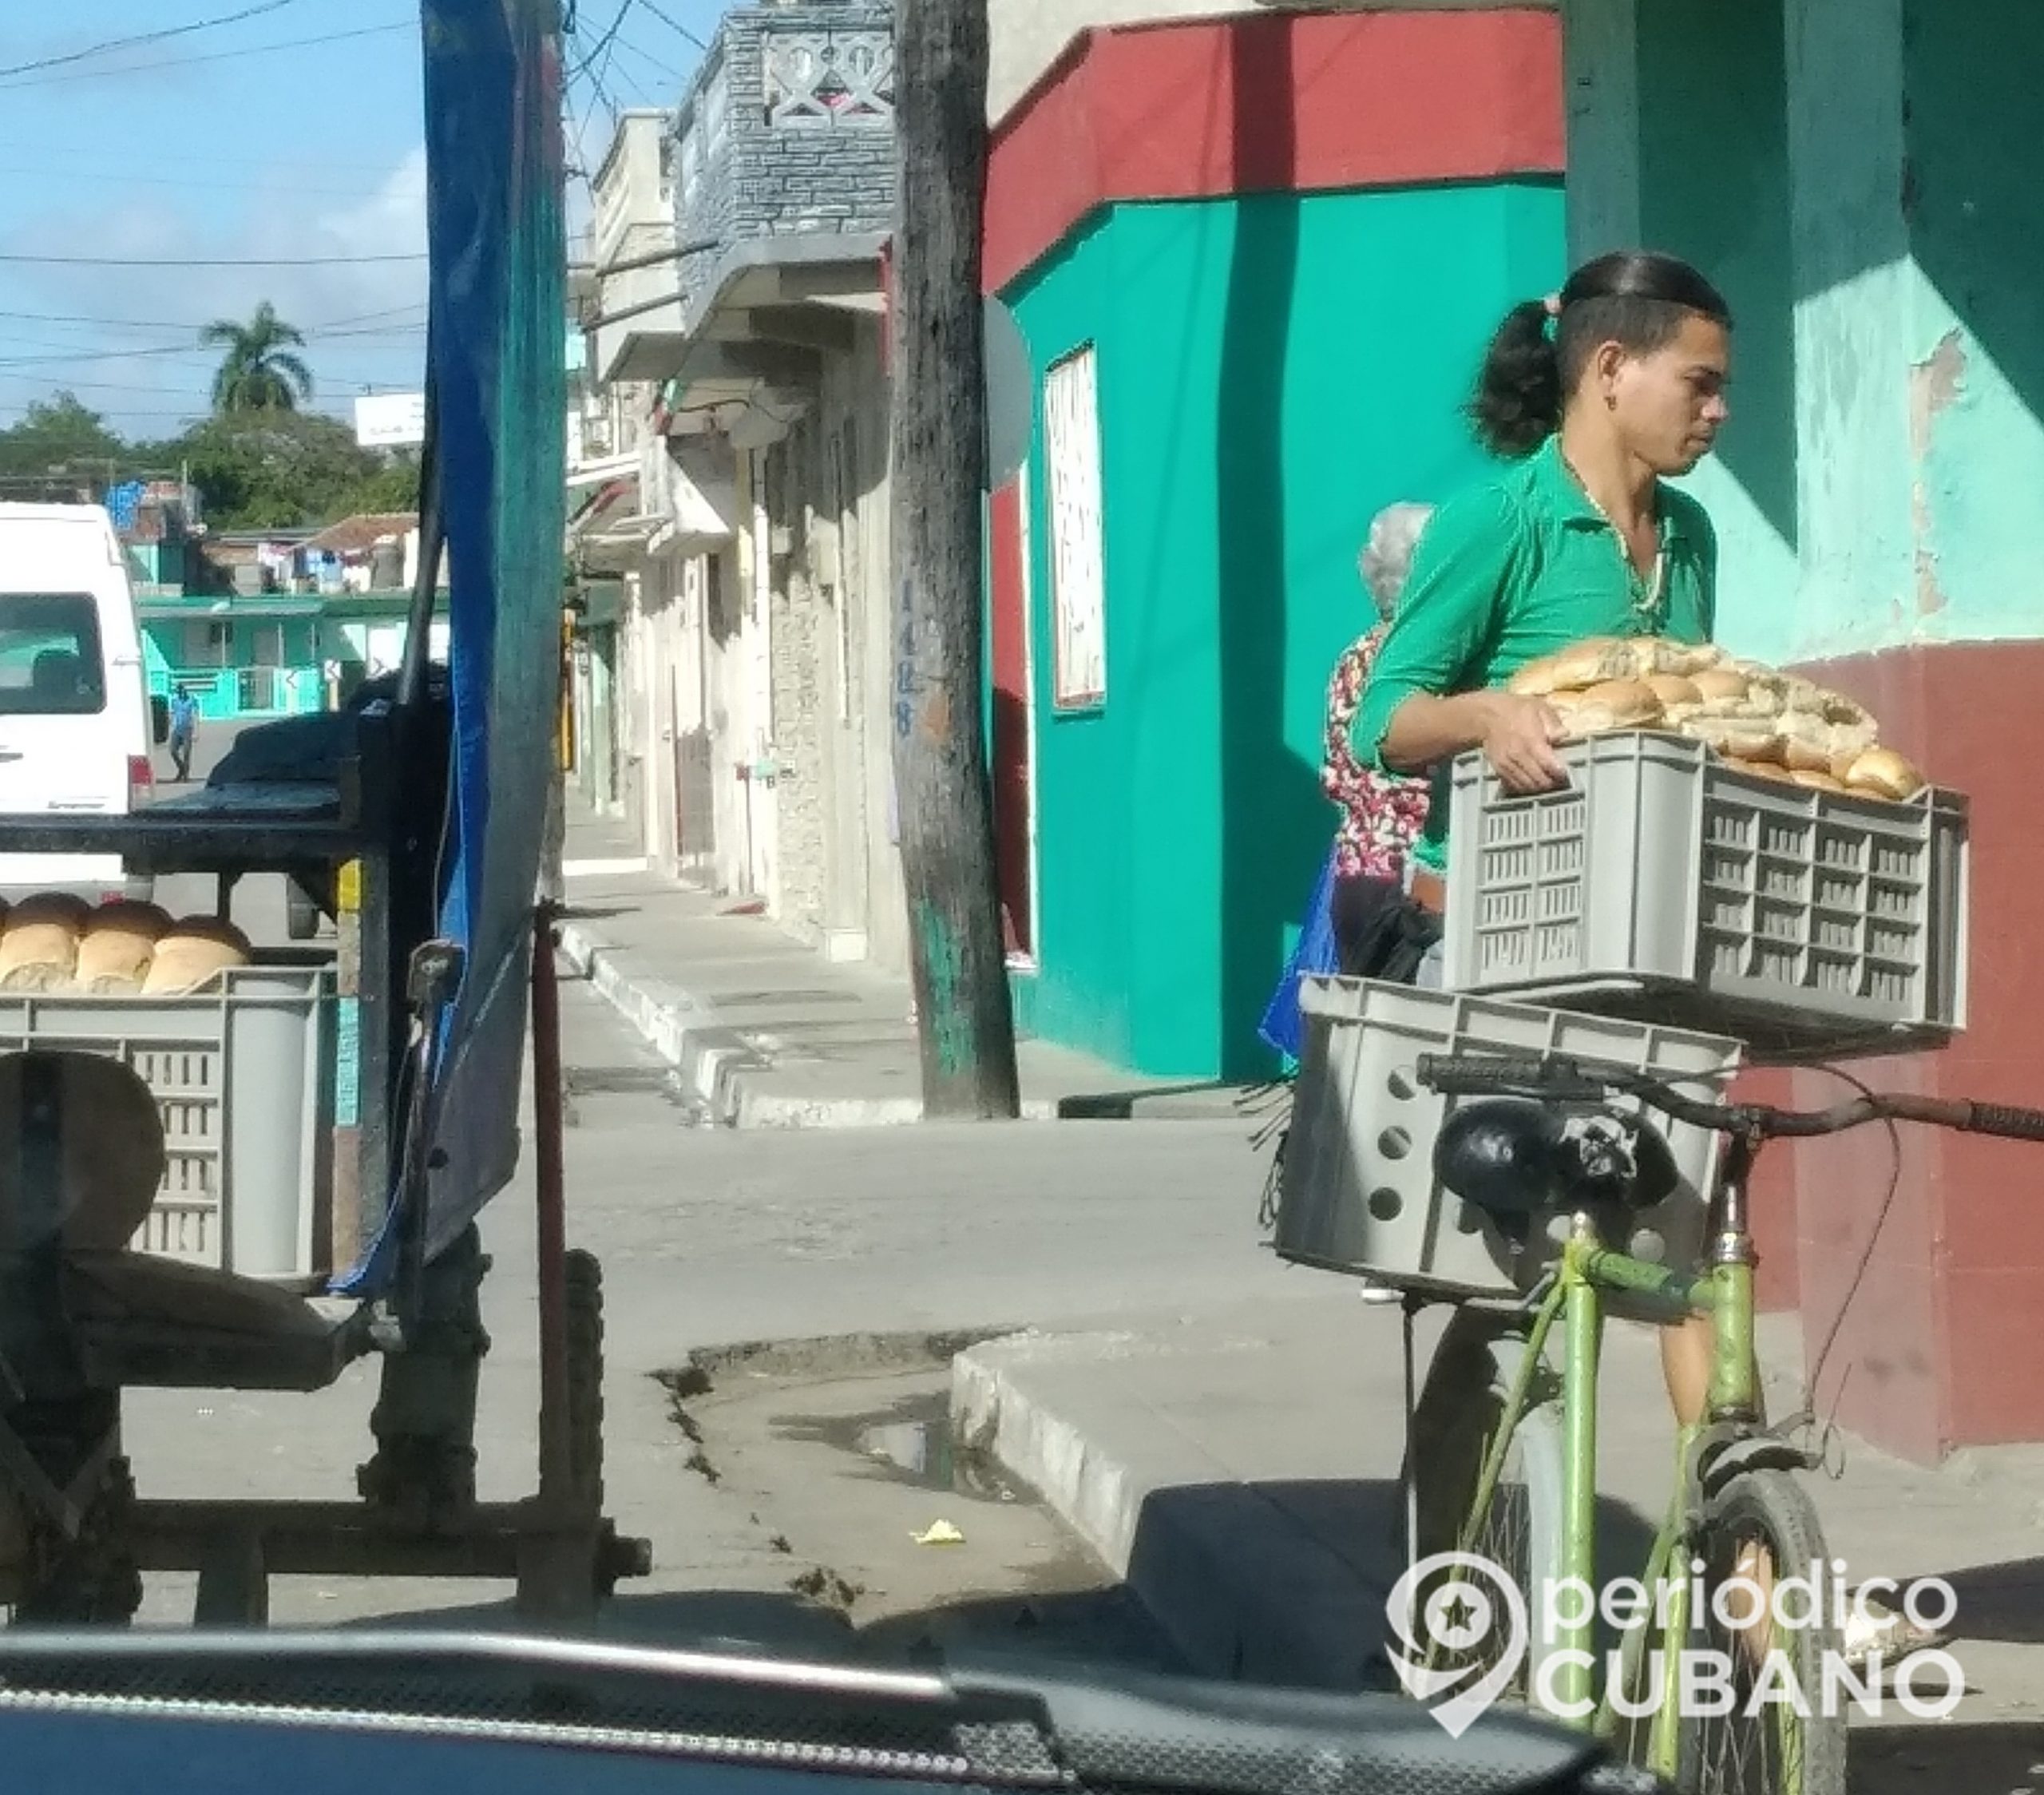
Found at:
[943, 797]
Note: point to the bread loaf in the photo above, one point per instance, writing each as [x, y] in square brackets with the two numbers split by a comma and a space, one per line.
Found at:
[1816, 781]
[1575, 668]
[194, 951]
[114, 952]
[1613, 704]
[1676, 692]
[39, 950]
[1848, 713]
[1761, 770]
[1809, 744]
[1879, 772]
[1656, 655]
[1736, 737]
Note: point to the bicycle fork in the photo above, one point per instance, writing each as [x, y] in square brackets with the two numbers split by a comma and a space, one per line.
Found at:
[1575, 1633]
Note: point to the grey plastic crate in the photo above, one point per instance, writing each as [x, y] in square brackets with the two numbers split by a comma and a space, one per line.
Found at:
[1662, 882]
[1358, 1192]
[242, 1076]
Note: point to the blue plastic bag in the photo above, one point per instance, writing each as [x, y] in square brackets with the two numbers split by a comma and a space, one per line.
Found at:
[1316, 954]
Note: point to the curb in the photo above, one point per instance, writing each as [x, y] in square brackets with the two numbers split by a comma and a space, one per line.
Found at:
[730, 1080]
[682, 1029]
[716, 1067]
[1238, 1586]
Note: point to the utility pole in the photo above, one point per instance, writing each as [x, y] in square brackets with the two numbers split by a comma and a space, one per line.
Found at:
[944, 799]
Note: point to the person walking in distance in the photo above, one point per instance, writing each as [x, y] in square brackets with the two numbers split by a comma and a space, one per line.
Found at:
[183, 731]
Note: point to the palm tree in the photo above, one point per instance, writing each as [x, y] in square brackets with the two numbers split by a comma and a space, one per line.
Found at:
[258, 373]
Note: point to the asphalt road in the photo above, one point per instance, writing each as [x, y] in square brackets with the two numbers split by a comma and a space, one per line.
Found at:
[258, 902]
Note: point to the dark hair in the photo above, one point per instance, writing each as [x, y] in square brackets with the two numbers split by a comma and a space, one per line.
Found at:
[1634, 298]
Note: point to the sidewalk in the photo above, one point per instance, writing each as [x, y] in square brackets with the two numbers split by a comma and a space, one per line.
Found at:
[1239, 1465]
[764, 1032]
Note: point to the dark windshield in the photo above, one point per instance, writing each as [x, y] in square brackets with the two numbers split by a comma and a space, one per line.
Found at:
[51, 663]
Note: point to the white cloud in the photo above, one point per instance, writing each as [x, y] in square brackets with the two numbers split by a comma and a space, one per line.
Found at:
[327, 283]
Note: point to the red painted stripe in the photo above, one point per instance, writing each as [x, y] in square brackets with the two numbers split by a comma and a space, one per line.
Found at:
[1012, 796]
[1281, 103]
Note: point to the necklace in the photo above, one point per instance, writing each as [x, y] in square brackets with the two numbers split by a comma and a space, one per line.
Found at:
[1645, 592]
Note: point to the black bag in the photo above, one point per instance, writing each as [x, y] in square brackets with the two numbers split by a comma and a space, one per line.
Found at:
[1380, 933]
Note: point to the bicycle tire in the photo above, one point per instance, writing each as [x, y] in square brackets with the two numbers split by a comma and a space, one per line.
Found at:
[1779, 1751]
[1460, 1408]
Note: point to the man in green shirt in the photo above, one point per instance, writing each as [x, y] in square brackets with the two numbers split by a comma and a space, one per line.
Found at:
[1507, 573]
[1597, 395]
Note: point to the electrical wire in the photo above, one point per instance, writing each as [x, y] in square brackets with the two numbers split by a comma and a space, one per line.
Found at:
[209, 261]
[604, 41]
[136, 39]
[209, 56]
[674, 24]
[200, 323]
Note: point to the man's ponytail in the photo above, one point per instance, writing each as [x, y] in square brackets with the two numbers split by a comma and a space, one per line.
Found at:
[1634, 298]
[1517, 404]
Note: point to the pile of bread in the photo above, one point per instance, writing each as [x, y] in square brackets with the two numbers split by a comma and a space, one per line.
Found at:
[55, 943]
[1772, 724]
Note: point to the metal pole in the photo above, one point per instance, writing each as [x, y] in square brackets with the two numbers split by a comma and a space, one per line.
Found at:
[432, 543]
[556, 1479]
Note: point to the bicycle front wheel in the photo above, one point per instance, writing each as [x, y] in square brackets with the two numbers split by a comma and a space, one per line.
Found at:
[1462, 1412]
[1759, 1530]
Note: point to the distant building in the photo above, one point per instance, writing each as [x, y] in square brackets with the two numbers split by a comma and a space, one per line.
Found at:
[730, 501]
[283, 621]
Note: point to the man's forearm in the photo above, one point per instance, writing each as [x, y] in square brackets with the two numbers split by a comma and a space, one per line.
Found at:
[1425, 731]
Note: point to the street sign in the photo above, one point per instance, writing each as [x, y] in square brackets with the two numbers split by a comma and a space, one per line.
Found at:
[390, 420]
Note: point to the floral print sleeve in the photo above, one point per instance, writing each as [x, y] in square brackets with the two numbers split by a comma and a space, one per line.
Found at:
[1381, 816]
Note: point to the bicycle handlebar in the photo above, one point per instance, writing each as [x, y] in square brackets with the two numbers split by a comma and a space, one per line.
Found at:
[1557, 1078]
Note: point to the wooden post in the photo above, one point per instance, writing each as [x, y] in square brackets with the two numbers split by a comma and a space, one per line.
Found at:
[943, 797]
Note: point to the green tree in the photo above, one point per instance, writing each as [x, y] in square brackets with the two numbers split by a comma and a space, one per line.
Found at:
[260, 469]
[259, 372]
[59, 434]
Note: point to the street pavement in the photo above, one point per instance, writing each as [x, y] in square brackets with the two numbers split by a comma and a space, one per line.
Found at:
[1166, 1447]
[765, 1032]
[1224, 1433]
[868, 1250]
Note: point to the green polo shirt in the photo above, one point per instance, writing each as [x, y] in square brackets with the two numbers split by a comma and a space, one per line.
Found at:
[1513, 570]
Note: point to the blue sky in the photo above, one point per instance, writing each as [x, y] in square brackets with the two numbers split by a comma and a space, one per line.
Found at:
[243, 142]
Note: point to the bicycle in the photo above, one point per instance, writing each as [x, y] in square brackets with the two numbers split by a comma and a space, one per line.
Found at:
[1502, 1457]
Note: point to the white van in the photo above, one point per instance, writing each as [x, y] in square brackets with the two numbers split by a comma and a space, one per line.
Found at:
[76, 719]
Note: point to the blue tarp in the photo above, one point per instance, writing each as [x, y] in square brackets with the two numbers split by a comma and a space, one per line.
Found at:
[497, 299]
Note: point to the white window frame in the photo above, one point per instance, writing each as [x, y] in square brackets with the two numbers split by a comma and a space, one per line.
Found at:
[1076, 526]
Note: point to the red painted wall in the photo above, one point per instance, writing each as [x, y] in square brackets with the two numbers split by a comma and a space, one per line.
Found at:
[1014, 796]
[1943, 1343]
[1376, 99]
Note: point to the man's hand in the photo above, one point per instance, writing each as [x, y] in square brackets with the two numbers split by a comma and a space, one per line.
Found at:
[1519, 744]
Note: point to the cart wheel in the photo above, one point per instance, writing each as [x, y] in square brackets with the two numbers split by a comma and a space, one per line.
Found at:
[301, 915]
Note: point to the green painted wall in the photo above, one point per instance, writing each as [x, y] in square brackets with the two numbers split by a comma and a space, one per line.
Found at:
[1863, 178]
[1678, 140]
[1273, 370]
[1716, 74]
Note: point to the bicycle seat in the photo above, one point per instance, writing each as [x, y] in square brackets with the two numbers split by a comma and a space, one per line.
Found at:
[1513, 1158]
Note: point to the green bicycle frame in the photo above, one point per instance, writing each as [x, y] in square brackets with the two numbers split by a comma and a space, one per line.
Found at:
[1585, 1271]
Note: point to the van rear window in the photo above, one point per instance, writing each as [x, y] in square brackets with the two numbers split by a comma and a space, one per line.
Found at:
[50, 662]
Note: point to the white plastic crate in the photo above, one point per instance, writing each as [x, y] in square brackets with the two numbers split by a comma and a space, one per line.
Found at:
[242, 1074]
[1358, 1192]
[1663, 882]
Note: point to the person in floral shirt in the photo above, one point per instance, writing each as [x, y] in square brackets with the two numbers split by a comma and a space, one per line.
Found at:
[1382, 814]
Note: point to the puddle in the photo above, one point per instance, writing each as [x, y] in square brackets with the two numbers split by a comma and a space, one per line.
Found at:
[911, 1443]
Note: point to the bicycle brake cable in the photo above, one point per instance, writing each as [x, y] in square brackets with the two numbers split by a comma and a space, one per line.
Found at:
[1815, 1376]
